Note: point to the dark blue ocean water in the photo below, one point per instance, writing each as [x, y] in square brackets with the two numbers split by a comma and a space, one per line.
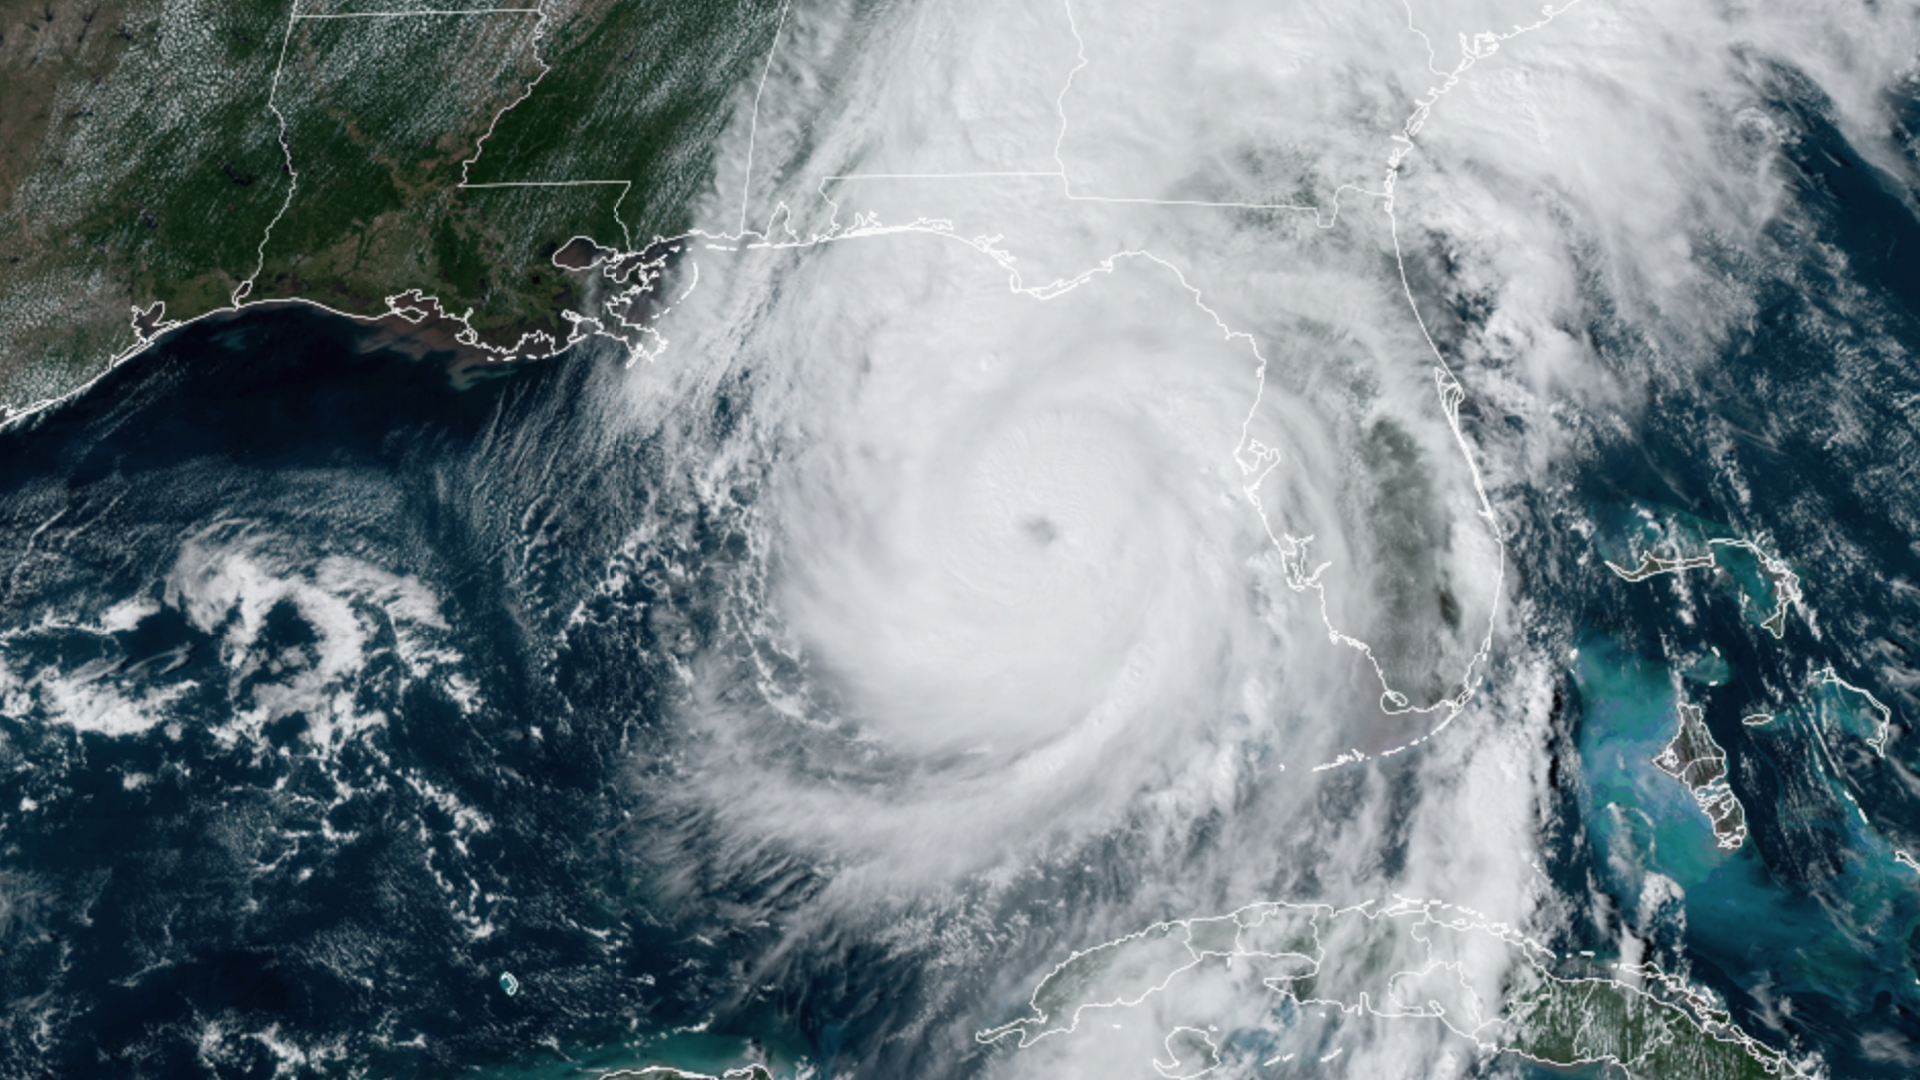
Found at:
[330, 687]
[178, 900]
[1801, 434]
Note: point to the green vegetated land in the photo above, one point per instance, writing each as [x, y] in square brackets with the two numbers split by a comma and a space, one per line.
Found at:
[141, 157]
[1597, 1020]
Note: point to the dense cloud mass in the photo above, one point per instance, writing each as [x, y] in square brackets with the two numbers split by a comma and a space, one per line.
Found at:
[1033, 534]
[1255, 482]
[1092, 380]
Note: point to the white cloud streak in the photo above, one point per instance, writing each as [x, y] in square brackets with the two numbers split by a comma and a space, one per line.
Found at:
[1045, 306]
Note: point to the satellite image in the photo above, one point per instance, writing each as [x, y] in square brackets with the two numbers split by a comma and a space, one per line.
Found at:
[960, 539]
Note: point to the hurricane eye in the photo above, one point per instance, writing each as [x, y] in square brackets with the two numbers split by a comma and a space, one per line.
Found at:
[1039, 530]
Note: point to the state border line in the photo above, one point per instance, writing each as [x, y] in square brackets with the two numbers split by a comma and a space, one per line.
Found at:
[1448, 389]
[297, 17]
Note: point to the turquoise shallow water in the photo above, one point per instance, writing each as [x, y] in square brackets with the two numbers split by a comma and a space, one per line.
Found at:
[1630, 716]
[1814, 903]
[187, 903]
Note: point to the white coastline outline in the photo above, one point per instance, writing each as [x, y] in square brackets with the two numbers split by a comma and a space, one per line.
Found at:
[1449, 388]
[1292, 550]
[294, 17]
[1789, 595]
[1883, 730]
[151, 323]
[1677, 994]
[1786, 583]
[1171, 1072]
[1707, 794]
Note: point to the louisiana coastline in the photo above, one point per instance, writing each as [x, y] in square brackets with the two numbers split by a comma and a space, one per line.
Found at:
[1213, 543]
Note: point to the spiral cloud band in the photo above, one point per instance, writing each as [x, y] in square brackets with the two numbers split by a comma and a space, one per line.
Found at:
[1039, 508]
[1089, 416]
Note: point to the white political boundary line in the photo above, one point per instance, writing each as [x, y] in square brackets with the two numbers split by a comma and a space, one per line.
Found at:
[479, 145]
[1292, 550]
[1059, 171]
[1068, 194]
[1447, 383]
[1884, 729]
[411, 14]
[543, 345]
[1255, 460]
[241, 290]
[294, 17]
[1066, 183]
[398, 304]
[753, 119]
[1677, 994]
[1710, 794]
[1786, 585]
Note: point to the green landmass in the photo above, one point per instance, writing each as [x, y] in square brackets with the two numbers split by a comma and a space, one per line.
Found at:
[141, 158]
[1570, 1021]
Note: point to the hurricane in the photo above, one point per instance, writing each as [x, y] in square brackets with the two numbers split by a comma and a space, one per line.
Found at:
[1165, 539]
